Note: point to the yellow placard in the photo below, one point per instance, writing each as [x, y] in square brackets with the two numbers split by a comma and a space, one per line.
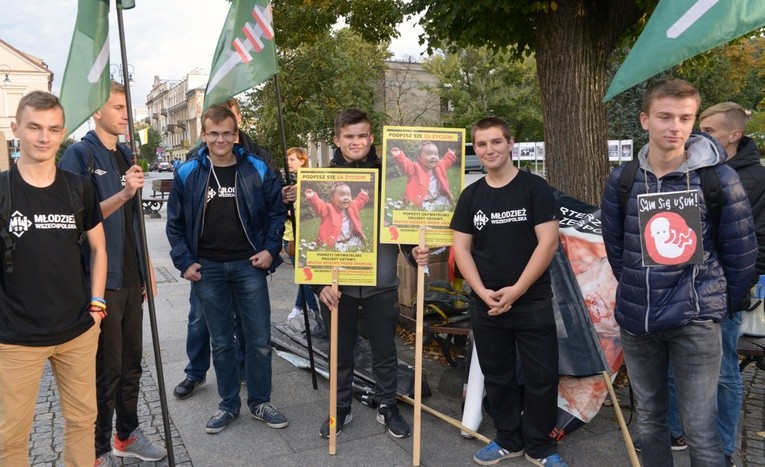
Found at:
[336, 226]
[423, 176]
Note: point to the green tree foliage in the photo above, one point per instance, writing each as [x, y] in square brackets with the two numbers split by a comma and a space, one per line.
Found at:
[317, 81]
[148, 151]
[477, 82]
[572, 41]
[64, 144]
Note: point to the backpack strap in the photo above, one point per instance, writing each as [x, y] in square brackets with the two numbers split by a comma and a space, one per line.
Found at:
[5, 216]
[76, 192]
[626, 179]
[712, 190]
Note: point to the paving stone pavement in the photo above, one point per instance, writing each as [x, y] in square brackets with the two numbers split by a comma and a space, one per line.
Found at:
[250, 443]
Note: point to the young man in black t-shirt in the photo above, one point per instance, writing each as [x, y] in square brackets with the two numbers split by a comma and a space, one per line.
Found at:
[48, 310]
[505, 236]
[225, 221]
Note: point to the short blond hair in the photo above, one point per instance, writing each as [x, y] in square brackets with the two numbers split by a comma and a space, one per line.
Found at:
[736, 116]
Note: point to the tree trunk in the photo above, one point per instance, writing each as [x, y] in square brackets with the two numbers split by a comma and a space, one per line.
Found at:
[573, 46]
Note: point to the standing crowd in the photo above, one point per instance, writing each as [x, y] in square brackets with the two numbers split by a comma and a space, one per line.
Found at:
[74, 276]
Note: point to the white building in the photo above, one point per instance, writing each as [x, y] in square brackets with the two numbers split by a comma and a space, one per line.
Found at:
[20, 73]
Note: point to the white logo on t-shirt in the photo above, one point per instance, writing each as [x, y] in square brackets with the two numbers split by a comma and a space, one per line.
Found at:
[227, 192]
[480, 219]
[99, 172]
[210, 194]
[19, 224]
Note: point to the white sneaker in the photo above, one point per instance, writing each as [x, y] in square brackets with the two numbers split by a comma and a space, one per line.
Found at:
[294, 313]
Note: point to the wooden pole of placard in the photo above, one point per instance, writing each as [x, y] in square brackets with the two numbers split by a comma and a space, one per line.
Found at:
[418, 336]
[620, 417]
[333, 370]
[447, 419]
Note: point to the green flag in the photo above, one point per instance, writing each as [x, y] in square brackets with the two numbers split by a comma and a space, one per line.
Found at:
[680, 29]
[246, 54]
[85, 87]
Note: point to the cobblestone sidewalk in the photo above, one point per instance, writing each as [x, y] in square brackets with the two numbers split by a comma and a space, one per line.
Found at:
[46, 442]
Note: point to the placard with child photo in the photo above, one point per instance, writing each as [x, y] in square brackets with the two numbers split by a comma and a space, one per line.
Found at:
[423, 177]
[336, 226]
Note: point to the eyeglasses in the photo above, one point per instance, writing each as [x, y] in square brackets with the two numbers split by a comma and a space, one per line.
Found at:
[227, 135]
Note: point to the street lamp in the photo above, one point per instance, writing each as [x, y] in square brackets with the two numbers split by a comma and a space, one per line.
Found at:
[6, 70]
[116, 68]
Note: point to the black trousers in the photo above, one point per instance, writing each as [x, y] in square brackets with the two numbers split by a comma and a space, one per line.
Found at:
[532, 328]
[380, 318]
[118, 365]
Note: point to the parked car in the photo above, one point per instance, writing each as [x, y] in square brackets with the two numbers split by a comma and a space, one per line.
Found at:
[472, 163]
[165, 167]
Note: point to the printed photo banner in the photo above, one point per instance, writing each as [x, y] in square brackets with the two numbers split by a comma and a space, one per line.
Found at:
[670, 226]
[336, 226]
[423, 175]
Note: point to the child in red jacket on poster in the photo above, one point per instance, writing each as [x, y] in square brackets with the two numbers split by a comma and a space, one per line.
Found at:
[427, 185]
[340, 226]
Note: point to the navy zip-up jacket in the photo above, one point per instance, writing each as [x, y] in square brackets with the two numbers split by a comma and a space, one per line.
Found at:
[80, 158]
[258, 200]
[653, 298]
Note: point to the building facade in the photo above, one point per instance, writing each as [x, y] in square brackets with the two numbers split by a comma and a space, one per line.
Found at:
[174, 109]
[20, 73]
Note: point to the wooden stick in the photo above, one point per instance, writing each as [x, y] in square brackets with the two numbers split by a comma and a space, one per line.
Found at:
[418, 337]
[333, 370]
[447, 419]
[625, 433]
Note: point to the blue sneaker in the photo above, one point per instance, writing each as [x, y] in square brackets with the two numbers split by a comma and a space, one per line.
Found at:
[219, 421]
[493, 453]
[553, 460]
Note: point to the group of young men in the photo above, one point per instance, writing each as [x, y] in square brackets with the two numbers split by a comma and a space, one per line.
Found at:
[225, 224]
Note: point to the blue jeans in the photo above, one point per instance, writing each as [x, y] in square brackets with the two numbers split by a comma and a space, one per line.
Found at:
[729, 389]
[237, 286]
[198, 342]
[304, 290]
[694, 352]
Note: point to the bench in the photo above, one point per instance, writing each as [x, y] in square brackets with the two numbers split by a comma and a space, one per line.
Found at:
[446, 335]
[751, 348]
[152, 204]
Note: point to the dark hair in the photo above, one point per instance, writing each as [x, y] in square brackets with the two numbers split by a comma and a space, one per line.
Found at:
[675, 88]
[38, 100]
[217, 114]
[493, 122]
[350, 117]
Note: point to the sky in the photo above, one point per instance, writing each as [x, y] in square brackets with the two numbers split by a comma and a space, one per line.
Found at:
[168, 39]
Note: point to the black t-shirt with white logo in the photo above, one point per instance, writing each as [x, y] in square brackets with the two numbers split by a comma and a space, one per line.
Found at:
[223, 238]
[502, 221]
[45, 300]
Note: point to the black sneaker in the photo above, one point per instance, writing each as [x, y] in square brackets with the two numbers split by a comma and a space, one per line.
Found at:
[186, 388]
[219, 421]
[729, 461]
[344, 416]
[678, 444]
[395, 425]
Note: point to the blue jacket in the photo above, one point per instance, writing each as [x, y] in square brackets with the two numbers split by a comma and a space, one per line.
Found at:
[258, 198]
[91, 159]
[650, 299]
